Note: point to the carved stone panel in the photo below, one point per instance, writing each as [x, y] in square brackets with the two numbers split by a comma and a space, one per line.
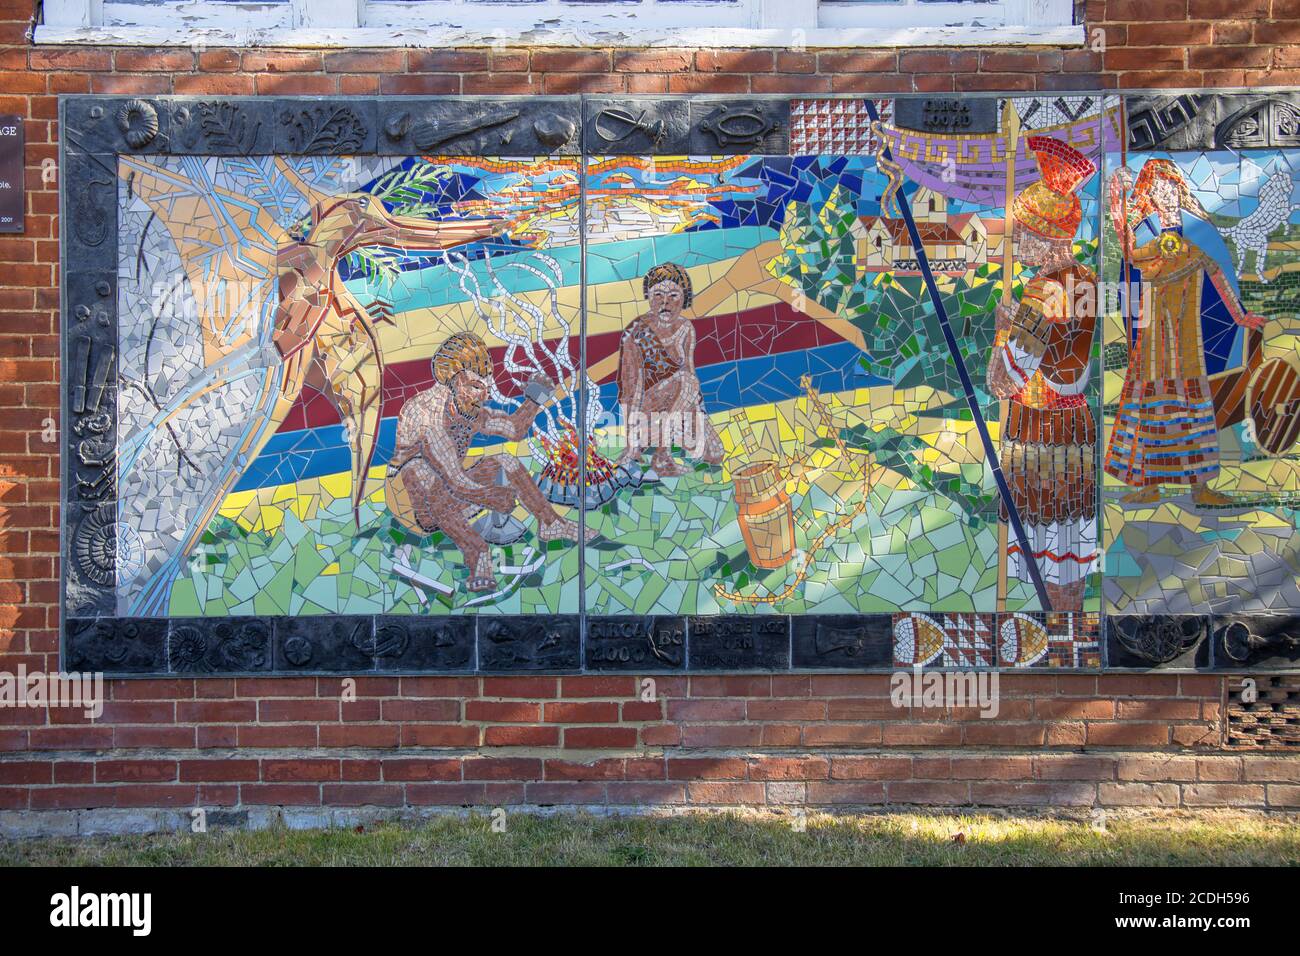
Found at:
[629, 643]
[1272, 121]
[1256, 642]
[500, 126]
[228, 127]
[1188, 121]
[115, 645]
[110, 125]
[636, 125]
[947, 114]
[205, 645]
[757, 125]
[529, 643]
[1170, 641]
[1170, 121]
[405, 643]
[91, 204]
[849, 641]
[739, 642]
[325, 644]
[327, 127]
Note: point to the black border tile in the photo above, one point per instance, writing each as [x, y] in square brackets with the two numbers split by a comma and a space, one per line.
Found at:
[739, 642]
[630, 643]
[1157, 642]
[842, 641]
[324, 644]
[406, 642]
[529, 642]
[1255, 642]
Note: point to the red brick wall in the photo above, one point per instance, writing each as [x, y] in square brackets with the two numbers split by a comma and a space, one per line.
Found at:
[706, 740]
[819, 740]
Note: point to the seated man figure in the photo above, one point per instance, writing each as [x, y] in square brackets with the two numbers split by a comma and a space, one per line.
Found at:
[658, 390]
[429, 488]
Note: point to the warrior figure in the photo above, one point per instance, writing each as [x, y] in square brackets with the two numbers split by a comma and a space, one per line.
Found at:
[1040, 362]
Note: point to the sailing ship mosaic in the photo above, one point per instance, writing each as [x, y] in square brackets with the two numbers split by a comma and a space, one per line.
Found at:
[558, 384]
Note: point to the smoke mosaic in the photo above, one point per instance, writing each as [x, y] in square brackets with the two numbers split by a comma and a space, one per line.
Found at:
[560, 383]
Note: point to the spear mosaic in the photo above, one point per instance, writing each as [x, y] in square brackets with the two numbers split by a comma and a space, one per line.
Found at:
[968, 387]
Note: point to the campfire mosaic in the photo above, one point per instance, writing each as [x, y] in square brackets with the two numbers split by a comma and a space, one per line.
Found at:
[351, 389]
[846, 360]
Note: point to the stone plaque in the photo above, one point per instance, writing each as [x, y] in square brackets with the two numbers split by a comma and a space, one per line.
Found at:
[12, 201]
[409, 643]
[842, 640]
[733, 642]
[626, 643]
[1167, 641]
[947, 114]
[1256, 641]
[530, 642]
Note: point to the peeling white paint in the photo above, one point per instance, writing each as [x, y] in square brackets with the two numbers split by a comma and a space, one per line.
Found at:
[784, 24]
[446, 36]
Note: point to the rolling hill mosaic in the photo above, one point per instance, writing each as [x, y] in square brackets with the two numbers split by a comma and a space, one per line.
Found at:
[560, 383]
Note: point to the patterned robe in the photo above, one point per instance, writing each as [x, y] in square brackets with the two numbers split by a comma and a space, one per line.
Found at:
[1049, 444]
[1164, 428]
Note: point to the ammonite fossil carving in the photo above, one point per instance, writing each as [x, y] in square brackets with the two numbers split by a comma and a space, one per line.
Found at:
[94, 545]
[186, 648]
[138, 121]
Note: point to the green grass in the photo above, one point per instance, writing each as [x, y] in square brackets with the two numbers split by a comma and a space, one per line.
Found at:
[1172, 838]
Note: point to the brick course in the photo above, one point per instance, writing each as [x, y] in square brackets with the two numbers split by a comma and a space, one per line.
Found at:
[825, 739]
[705, 739]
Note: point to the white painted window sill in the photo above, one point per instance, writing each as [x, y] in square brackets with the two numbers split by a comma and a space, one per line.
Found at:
[451, 37]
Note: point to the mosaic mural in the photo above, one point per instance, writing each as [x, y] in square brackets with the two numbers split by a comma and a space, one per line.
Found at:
[561, 384]
[1201, 387]
[774, 312]
[367, 394]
